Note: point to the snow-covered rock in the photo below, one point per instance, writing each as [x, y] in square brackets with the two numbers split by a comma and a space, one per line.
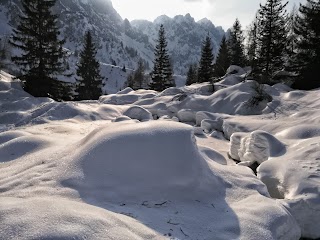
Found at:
[257, 146]
[186, 115]
[233, 69]
[139, 113]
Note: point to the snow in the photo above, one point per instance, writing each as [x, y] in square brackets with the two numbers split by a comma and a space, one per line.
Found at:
[233, 69]
[139, 113]
[257, 146]
[107, 170]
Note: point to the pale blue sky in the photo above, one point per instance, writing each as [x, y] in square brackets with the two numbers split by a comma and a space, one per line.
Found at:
[220, 12]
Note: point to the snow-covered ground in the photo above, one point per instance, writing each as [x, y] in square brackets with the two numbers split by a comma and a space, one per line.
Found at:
[107, 170]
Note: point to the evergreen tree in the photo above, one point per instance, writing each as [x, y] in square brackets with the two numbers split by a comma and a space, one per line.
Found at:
[137, 80]
[161, 76]
[223, 59]
[252, 43]
[42, 56]
[205, 71]
[291, 44]
[235, 43]
[308, 45]
[89, 83]
[192, 75]
[271, 37]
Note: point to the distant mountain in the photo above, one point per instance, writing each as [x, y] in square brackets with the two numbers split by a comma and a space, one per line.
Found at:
[184, 36]
[121, 42]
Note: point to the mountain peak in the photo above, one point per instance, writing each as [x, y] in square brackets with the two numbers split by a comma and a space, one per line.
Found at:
[186, 18]
[162, 19]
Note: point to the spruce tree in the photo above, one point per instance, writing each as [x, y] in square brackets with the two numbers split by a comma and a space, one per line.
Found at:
[307, 60]
[235, 43]
[271, 37]
[161, 76]
[41, 58]
[89, 82]
[192, 75]
[223, 59]
[205, 71]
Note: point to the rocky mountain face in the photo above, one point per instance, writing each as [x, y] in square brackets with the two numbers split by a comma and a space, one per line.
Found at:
[119, 41]
[184, 36]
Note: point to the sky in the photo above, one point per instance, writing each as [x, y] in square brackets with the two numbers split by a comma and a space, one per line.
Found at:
[220, 12]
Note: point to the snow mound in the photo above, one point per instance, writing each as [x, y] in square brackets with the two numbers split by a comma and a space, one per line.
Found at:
[60, 218]
[202, 115]
[21, 146]
[294, 95]
[172, 91]
[258, 146]
[139, 113]
[125, 91]
[186, 115]
[119, 99]
[302, 131]
[121, 119]
[10, 135]
[129, 161]
[233, 69]
[231, 80]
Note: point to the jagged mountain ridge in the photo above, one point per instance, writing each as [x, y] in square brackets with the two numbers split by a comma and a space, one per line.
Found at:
[184, 36]
[120, 41]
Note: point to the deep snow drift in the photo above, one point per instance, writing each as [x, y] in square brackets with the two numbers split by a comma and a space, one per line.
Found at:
[107, 170]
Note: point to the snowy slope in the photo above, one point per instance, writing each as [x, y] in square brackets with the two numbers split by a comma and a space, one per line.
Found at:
[106, 170]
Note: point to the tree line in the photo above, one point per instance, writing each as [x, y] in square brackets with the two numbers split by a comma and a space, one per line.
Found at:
[278, 47]
[277, 44]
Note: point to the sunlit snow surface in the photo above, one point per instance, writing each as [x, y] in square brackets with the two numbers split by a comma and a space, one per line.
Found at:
[106, 170]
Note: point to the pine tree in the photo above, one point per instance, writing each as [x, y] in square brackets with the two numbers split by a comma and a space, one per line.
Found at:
[308, 46]
[205, 71]
[271, 37]
[192, 75]
[252, 43]
[42, 54]
[223, 59]
[89, 83]
[235, 43]
[161, 76]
